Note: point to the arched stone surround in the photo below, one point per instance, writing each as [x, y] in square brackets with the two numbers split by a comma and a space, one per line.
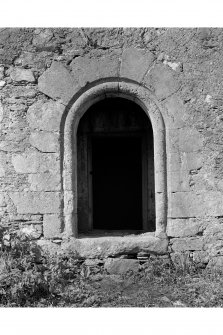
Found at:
[140, 95]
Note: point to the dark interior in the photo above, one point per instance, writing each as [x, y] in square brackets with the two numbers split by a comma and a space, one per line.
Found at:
[117, 183]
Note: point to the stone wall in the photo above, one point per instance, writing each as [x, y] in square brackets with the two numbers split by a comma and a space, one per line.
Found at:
[43, 71]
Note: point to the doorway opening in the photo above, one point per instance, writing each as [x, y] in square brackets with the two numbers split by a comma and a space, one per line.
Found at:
[115, 169]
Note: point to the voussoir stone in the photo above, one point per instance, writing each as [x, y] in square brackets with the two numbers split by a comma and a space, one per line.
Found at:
[36, 202]
[135, 63]
[88, 69]
[116, 266]
[162, 80]
[19, 74]
[45, 115]
[45, 141]
[58, 83]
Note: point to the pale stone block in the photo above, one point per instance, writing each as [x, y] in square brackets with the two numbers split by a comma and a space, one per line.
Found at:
[19, 74]
[33, 162]
[163, 81]
[44, 182]
[45, 141]
[58, 83]
[52, 225]
[186, 244]
[185, 227]
[191, 204]
[36, 202]
[88, 69]
[45, 115]
[1, 112]
[135, 63]
[190, 140]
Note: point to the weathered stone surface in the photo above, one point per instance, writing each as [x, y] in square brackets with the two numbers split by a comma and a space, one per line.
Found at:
[88, 69]
[2, 200]
[33, 162]
[176, 111]
[200, 257]
[57, 83]
[185, 161]
[1, 112]
[31, 232]
[135, 63]
[42, 36]
[45, 115]
[185, 227]
[45, 181]
[187, 243]
[162, 80]
[52, 226]
[191, 204]
[190, 140]
[45, 141]
[117, 266]
[36, 202]
[19, 74]
[3, 167]
[216, 262]
[115, 245]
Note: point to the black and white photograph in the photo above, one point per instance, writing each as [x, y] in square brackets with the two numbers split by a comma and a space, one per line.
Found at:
[111, 166]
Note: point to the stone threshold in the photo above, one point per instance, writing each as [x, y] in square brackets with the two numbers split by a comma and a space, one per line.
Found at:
[109, 246]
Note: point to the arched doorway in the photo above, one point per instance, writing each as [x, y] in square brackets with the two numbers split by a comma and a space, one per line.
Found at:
[115, 168]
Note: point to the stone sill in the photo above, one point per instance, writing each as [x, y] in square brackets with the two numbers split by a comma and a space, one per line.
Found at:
[113, 246]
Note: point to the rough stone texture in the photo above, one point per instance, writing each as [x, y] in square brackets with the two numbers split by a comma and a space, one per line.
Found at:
[45, 181]
[33, 162]
[162, 81]
[36, 202]
[90, 68]
[52, 226]
[32, 232]
[42, 70]
[121, 266]
[191, 204]
[113, 246]
[45, 141]
[135, 63]
[185, 244]
[57, 83]
[185, 227]
[45, 115]
[19, 75]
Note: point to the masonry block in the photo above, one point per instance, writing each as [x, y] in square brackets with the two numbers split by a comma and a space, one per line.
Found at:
[34, 161]
[45, 181]
[162, 80]
[89, 68]
[45, 115]
[19, 74]
[135, 63]
[36, 202]
[45, 141]
[58, 83]
[191, 204]
[52, 226]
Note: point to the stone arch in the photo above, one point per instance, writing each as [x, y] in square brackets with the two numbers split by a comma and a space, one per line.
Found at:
[142, 97]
